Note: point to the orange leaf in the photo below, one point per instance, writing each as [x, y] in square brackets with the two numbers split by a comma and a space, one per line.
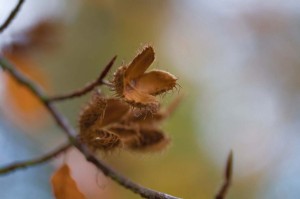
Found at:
[24, 107]
[63, 186]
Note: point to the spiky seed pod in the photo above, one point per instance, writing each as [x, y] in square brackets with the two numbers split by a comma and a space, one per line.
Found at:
[139, 88]
[109, 123]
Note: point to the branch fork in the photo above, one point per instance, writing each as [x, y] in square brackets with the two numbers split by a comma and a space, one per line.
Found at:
[70, 132]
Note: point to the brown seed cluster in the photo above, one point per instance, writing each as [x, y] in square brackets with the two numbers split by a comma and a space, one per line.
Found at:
[132, 119]
[109, 123]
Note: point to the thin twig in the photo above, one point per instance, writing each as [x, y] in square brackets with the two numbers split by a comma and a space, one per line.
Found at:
[227, 178]
[99, 81]
[12, 15]
[33, 162]
[71, 133]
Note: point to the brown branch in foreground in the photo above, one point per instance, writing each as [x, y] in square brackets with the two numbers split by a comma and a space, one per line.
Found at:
[33, 162]
[89, 87]
[71, 133]
[227, 178]
[11, 16]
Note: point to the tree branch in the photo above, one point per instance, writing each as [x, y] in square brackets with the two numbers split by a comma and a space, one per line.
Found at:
[227, 178]
[33, 162]
[99, 81]
[71, 134]
[12, 15]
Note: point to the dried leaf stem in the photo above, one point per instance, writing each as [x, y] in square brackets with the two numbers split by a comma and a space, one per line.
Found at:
[12, 15]
[227, 178]
[89, 87]
[71, 134]
[33, 162]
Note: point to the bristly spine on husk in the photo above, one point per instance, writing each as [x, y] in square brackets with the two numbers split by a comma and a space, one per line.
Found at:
[118, 81]
[92, 112]
[98, 139]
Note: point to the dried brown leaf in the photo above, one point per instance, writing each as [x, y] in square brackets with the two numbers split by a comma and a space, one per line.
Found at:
[63, 185]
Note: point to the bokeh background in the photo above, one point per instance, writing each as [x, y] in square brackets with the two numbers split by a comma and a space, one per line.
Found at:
[238, 66]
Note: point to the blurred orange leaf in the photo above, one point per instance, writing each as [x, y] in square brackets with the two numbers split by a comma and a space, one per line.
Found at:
[24, 105]
[63, 185]
[18, 103]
